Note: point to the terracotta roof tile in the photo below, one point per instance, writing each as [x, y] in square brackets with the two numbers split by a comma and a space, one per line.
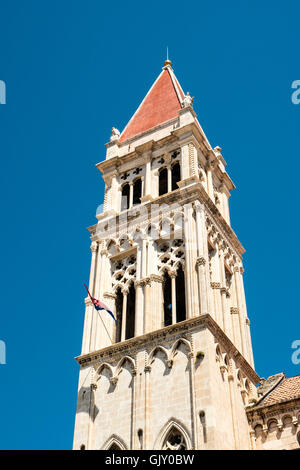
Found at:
[287, 389]
[160, 105]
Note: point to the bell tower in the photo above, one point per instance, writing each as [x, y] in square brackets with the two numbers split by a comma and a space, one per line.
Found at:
[176, 370]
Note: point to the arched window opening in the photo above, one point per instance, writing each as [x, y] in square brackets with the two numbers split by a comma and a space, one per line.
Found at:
[119, 307]
[125, 197]
[163, 181]
[203, 423]
[167, 296]
[114, 446]
[175, 175]
[140, 436]
[82, 447]
[298, 438]
[174, 441]
[180, 295]
[137, 191]
[130, 313]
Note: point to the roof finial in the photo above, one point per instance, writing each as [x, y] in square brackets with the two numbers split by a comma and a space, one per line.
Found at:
[168, 63]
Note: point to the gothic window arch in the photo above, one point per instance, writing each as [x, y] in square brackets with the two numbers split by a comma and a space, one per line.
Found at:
[163, 181]
[114, 446]
[167, 299]
[137, 191]
[125, 197]
[175, 175]
[114, 443]
[180, 295]
[119, 308]
[130, 312]
[174, 440]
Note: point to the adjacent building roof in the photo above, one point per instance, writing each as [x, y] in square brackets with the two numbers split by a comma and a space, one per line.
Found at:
[284, 389]
[162, 103]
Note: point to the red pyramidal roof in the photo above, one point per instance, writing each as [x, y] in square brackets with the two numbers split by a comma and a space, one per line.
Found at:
[162, 103]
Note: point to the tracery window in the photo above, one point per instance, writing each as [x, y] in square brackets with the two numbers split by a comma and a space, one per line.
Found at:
[123, 278]
[171, 267]
[174, 441]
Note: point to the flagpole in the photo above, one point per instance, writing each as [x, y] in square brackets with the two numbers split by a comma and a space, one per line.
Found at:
[98, 314]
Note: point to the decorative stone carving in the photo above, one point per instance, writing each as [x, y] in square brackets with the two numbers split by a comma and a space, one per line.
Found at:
[234, 310]
[94, 246]
[187, 101]
[115, 134]
[113, 380]
[215, 285]
[200, 261]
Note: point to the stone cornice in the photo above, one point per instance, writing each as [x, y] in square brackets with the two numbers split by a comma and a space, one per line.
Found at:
[187, 326]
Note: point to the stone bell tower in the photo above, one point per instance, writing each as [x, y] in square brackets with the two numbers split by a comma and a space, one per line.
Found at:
[176, 369]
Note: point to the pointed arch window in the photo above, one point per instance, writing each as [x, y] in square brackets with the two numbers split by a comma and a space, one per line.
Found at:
[119, 307]
[137, 191]
[175, 175]
[174, 440]
[163, 181]
[180, 295]
[130, 312]
[125, 197]
[167, 298]
[114, 446]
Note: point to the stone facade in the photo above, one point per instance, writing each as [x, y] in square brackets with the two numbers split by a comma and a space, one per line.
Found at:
[176, 370]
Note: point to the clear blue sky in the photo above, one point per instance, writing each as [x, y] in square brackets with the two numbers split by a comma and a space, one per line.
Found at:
[73, 70]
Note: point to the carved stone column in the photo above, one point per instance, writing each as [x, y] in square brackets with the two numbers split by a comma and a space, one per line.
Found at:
[147, 305]
[147, 407]
[225, 195]
[130, 194]
[172, 275]
[191, 281]
[185, 167]
[240, 310]
[139, 308]
[210, 186]
[94, 248]
[156, 301]
[124, 312]
[202, 285]
[148, 178]
[223, 290]
[88, 319]
[216, 286]
[202, 260]
[232, 406]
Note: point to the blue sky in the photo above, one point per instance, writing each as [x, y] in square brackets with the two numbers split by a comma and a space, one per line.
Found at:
[75, 69]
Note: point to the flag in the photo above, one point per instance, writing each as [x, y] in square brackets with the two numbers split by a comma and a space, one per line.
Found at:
[100, 305]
